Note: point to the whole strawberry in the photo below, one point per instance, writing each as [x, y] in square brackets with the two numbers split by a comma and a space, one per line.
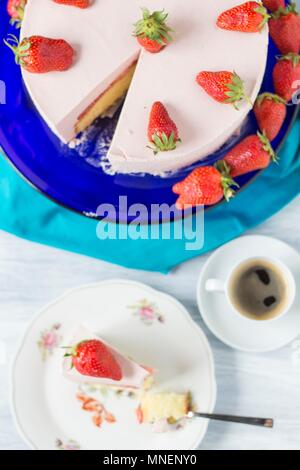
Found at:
[286, 76]
[204, 186]
[273, 5]
[15, 9]
[151, 31]
[92, 358]
[75, 3]
[252, 153]
[162, 131]
[38, 54]
[224, 87]
[285, 29]
[270, 113]
[250, 17]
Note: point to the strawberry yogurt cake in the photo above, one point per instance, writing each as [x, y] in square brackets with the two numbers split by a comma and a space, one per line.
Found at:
[189, 81]
[89, 360]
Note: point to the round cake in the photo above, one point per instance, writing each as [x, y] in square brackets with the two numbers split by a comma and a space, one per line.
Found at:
[110, 62]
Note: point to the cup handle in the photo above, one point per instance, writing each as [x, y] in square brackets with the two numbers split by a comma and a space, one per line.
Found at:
[215, 285]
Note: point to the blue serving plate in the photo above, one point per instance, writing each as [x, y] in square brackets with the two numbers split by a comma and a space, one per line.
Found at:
[78, 178]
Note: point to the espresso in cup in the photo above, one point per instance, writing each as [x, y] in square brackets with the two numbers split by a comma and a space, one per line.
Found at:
[259, 289]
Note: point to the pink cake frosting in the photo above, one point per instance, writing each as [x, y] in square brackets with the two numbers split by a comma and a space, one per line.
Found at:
[102, 36]
[134, 375]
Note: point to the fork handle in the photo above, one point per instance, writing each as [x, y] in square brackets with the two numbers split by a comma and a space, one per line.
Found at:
[265, 422]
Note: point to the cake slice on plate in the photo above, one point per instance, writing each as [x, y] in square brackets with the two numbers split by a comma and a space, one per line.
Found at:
[90, 359]
[163, 406]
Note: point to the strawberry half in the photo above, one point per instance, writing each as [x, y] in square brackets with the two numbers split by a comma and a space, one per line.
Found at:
[204, 186]
[285, 29]
[15, 9]
[252, 153]
[74, 3]
[38, 54]
[273, 5]
[224, 87]
[93, 359]
[270, 113]
[162, 131]
[151, 31]
[286, 76]
[250, 17]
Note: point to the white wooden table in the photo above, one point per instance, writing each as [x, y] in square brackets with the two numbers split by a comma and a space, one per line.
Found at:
[264, 385]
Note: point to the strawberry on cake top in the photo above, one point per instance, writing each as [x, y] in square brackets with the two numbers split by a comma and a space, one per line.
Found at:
[90, 359]
[105, 66]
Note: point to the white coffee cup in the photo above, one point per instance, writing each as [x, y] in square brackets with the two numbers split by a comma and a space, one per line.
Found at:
[220, 286]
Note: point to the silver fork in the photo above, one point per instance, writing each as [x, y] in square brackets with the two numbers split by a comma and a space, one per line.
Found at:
[264, 422]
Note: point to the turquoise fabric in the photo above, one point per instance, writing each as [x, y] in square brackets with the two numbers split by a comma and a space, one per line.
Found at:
[28, 214]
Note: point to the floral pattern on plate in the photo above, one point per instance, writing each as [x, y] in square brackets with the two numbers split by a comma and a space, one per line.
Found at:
[98, 410]
[68, 445]
[50, 339]
[106, 392]
[147, 311]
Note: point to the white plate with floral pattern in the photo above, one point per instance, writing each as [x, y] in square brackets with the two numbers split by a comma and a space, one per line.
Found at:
[149, 326]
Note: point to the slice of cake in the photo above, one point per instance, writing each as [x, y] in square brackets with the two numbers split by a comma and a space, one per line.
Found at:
[106, 55]
[106, 100]
[91, 360]
[159, 407]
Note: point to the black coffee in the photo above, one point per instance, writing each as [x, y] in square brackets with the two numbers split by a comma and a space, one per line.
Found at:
[258, 289]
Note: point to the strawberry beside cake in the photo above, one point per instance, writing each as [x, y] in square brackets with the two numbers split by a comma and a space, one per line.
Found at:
[114, 43]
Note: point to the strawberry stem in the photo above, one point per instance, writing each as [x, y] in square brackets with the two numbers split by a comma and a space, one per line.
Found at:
[267, 147]
[164, 143]
[12, 42]
[289, 9]
[248, 100]
[226, 180]
[270, 96]
[236, 91]
[292, 56]
[20, 49]
[71, 351]
[18, 20]
[153, 26]
[264, 13]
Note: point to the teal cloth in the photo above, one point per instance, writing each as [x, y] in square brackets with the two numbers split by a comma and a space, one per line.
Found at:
[28, 214]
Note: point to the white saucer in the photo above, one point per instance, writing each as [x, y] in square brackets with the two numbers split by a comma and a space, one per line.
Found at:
[219, 316]
[149, 326]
